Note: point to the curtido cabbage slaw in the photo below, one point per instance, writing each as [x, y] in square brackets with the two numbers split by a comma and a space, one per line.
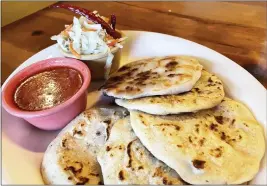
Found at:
[84, 37]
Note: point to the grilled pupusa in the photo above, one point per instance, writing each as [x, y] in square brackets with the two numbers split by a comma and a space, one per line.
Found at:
[124, 160]
[206, 93]
[222, 145]
[154, 76]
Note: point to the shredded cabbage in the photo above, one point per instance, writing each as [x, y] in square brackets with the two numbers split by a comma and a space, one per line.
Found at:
[91, 40]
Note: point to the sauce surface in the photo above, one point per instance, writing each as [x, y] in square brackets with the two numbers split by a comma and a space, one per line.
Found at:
[47, 89]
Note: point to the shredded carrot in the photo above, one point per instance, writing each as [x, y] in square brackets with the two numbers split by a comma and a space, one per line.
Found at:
[112, 43]
[65, 32]
[74, 52]
[68, 28]
[88, 29]
[90, 22]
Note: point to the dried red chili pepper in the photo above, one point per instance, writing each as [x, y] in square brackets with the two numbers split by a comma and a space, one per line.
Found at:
[91, 16]
[113, 21]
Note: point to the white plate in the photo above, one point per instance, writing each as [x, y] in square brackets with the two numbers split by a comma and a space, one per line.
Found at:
[23, 144]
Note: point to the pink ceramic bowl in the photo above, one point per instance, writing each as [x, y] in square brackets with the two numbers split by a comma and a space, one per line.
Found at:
[56, 117]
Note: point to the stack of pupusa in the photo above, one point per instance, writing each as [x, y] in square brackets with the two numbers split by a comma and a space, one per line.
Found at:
[207, 139]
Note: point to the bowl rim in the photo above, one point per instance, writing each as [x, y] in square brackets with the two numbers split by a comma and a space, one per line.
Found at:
[40, 65]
